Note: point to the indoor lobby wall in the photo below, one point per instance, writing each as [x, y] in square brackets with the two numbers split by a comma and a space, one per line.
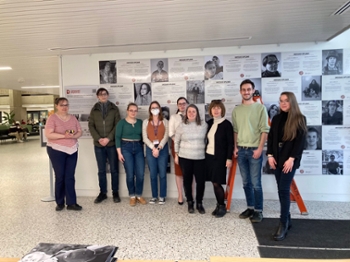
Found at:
[82, 70]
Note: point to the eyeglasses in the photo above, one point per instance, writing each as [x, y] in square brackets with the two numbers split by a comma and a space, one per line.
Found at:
[216, 101]
[103, 94]
[64, 105]
[182, 104]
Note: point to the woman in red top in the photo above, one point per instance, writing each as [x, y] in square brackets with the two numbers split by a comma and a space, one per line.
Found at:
[62, 131]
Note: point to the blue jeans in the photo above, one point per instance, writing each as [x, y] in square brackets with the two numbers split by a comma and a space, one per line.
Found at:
[102, 154]
[250, 169]
[64, 166]
[134, 165]
[158, 166]
[284, 180]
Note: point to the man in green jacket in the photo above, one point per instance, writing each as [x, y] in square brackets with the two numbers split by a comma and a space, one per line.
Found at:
[104, 117]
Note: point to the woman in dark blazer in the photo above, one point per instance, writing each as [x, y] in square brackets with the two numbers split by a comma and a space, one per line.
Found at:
[218, 154]
[285, 146]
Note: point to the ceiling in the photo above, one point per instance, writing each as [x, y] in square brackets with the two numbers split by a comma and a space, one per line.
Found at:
[33, 33]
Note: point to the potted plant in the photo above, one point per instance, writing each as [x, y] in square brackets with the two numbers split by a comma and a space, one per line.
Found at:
[9, 118]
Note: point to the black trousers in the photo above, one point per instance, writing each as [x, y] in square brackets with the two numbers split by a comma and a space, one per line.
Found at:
[189, 168]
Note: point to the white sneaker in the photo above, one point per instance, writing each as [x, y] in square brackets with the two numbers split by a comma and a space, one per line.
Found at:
[153, 200]
[161, 201]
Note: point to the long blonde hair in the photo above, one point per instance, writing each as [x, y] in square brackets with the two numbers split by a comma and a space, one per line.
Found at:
[295, 120]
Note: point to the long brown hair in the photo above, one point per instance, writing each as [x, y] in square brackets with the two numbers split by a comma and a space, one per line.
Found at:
[295, 120]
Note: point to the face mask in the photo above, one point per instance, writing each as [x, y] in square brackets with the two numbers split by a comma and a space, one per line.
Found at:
[155, 112]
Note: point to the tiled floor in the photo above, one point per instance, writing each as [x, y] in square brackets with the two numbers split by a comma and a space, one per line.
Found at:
[141, 232]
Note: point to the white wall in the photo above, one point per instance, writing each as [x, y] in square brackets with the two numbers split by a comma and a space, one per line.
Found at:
[83, 70]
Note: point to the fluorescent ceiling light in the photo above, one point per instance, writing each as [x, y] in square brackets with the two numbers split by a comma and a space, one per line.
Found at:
[5, 68]
[39, 87]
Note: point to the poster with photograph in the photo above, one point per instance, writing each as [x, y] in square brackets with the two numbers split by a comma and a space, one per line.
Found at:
[332, 112]
[226, 91]
[186, 68]
[132, 71]
[273, 87]
[312, 111]
[332, 162]
[272, 109]
[81, 100]
[311, 88]
[168, 93]
[159, 69]
[213, 69]
[335, 137]
[332, 62]
[143, 94]
[107, 72]
[242, 66]
[121, 94]
[313, 139]
[304, 63]
[336, 87]
[270, 65]
[311, 163]
[195, 92]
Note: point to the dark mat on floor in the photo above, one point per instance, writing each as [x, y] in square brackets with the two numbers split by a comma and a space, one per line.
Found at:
[274, 252]
[306, 233]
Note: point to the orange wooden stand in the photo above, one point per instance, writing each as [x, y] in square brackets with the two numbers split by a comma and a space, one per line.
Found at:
[294, 192]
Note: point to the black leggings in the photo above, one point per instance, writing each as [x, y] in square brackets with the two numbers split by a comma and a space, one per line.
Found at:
[189, 168]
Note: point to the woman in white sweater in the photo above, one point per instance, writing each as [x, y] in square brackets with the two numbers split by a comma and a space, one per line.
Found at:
[190, 155]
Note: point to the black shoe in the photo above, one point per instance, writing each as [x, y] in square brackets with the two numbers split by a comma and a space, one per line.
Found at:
[100, 198]
[190, 207]
[180, 203]
[200, 208]
[221, 211]
[257, 217]
[247, 213]
[281, 232]
[59, 207]
[74, 207]
[116, 198]
[216, 210]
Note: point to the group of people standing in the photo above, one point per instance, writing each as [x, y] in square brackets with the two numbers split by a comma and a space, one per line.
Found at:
[202, 151]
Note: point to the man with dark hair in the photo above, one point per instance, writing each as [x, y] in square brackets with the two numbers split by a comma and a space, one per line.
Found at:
[250, 126]
[333, 166]
[160, 75]
[104, 116]
[332, 116]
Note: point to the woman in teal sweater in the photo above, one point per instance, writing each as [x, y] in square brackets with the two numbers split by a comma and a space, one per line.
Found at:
[128, 140]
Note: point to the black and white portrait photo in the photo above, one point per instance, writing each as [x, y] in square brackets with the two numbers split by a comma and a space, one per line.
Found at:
[159, 68]
[332, 112]
[311, 88]
[213, 69]
[272, 109]
[166, 112]
[143, 94]
[332, 162]
[107, 71]
[195, 92]
[270, 65]
[313, 138]
[332, 62]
